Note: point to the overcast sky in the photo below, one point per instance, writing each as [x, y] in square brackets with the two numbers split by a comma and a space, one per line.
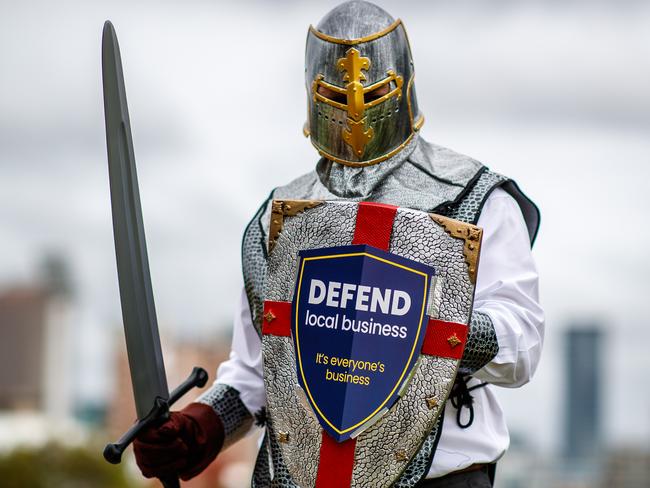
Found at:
[554, 94]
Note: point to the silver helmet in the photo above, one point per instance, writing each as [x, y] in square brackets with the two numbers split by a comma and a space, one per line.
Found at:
[362, 107]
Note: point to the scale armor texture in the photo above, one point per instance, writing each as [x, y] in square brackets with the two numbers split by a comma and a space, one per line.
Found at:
[234, 415]
[254, 266]
[424, 177]
[469, 208]
[275, 473]
[420, 464]
[481, 345]
[409, 479]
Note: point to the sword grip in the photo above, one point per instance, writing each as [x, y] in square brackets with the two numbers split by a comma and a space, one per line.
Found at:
[171, 482]
[113, 452]
[160, 410]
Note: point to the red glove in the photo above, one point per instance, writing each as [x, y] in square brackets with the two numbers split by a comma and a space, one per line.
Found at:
[183, 446]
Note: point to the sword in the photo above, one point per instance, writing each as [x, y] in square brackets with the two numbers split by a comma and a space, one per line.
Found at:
[151, 395]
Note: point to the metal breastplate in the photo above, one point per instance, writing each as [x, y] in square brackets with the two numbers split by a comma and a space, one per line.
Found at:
[384, 448]
[431, 179]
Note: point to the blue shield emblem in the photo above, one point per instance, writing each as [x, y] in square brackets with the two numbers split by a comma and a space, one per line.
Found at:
[358, 323]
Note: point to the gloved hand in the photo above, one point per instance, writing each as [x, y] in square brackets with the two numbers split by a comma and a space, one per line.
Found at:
[184, 445]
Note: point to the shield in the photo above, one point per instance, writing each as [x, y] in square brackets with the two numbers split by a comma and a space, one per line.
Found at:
[358, 320]
[331, 265]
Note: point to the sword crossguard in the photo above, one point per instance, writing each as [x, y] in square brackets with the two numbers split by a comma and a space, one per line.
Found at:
[160, 410]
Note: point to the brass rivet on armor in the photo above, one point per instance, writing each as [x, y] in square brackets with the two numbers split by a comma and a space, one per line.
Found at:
[466, 232]
[288, 207]
[453, 340]
[432, 402]
[269, 316]
[400, 455]
[283, 437]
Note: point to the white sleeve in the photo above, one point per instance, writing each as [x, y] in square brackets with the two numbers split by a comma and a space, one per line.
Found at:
[243, 369]
[507, 291]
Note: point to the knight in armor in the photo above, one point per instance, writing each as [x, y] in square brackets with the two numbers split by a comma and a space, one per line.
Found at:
[364, 121]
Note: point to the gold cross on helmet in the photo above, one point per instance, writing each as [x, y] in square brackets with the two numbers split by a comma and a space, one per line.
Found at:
[358, 98]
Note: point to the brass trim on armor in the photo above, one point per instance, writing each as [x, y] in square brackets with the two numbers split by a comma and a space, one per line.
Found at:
[352, 42]
[318, 81]
[360, 164]
[286, 208]
[357, 136]
[335, 88]
[453, 340]
[401, 456]
[408, 101]
[305, 130]
[283, 437]
[432, 402]
[472, 236]
[416, 125]
[395, 92]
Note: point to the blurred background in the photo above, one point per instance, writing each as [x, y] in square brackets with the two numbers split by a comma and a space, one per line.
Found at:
[554, 93]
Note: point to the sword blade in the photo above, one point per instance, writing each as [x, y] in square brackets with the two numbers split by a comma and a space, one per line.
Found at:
[136, 294]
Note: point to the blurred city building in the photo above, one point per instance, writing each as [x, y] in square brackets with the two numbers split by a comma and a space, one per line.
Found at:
[36, 390]
[582, 423]
[627, 468]
[35, 344]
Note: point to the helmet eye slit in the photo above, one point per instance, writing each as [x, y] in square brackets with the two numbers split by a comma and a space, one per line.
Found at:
[332, 95]
[378, 92]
